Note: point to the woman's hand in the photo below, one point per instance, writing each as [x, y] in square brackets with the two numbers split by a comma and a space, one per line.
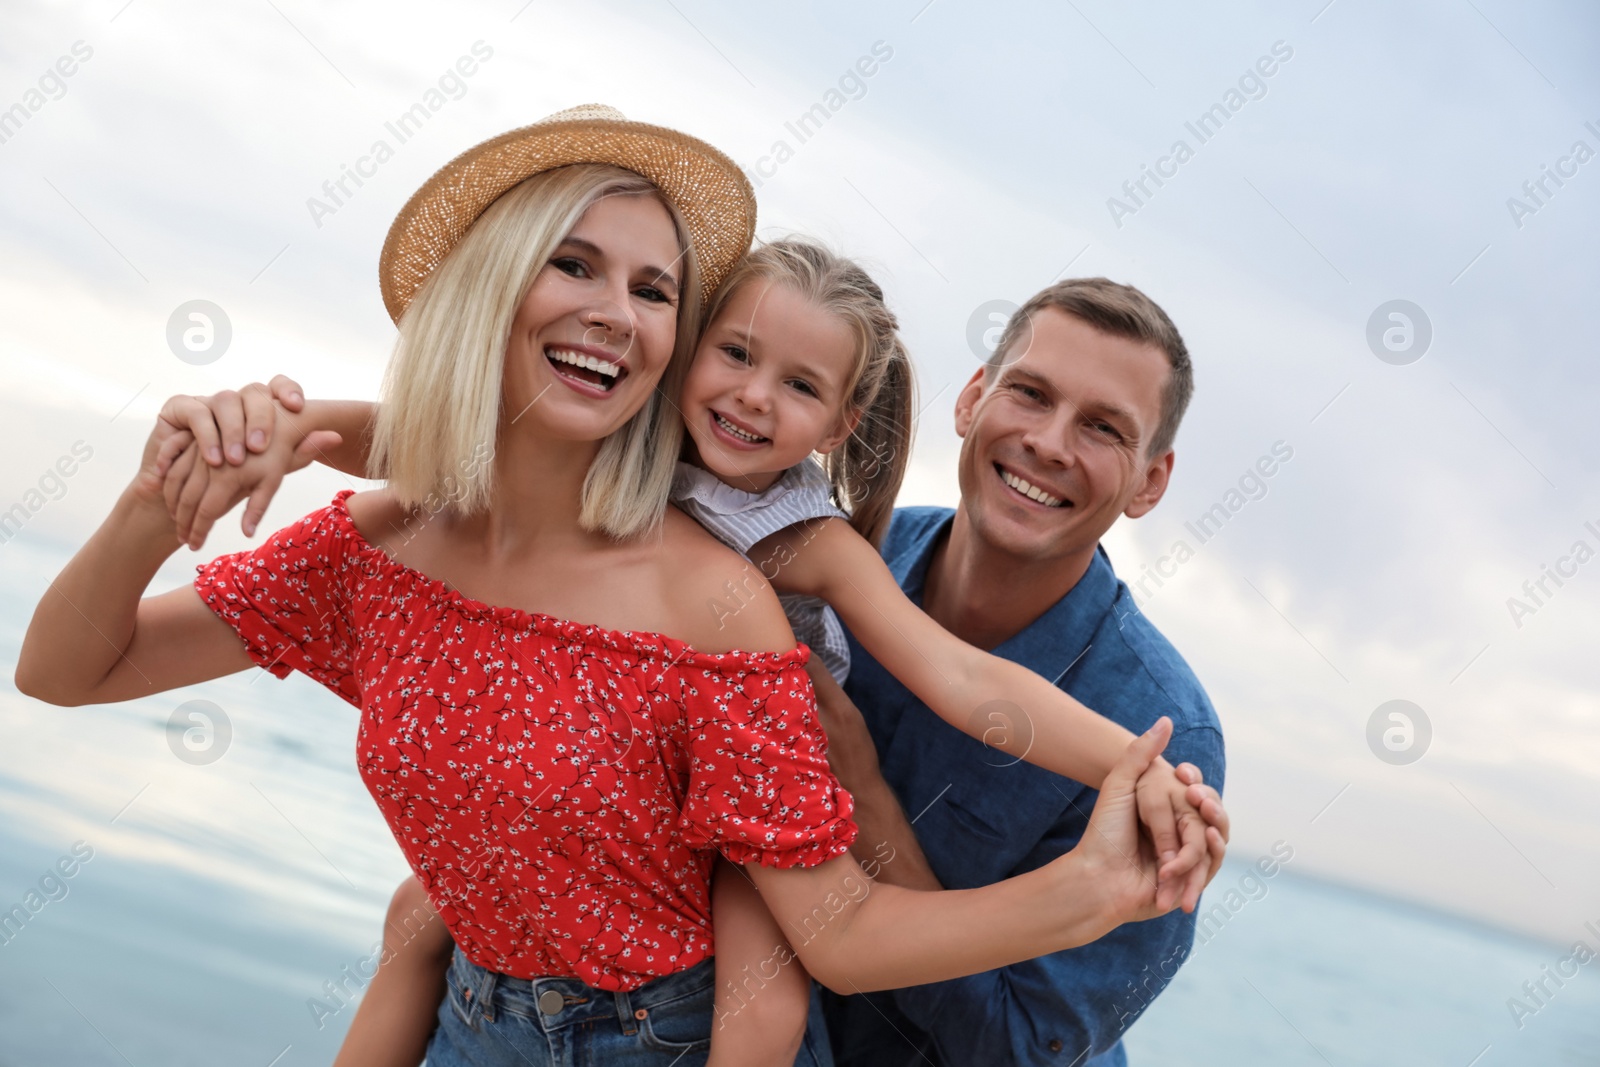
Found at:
[1117, 862]
[196, 494]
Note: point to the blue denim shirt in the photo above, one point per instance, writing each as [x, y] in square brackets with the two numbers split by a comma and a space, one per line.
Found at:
[981, 818]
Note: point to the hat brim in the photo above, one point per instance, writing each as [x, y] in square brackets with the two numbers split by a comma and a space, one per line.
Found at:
[708, 189]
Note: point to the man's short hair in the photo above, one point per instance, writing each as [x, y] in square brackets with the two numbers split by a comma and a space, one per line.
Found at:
[1122, 311]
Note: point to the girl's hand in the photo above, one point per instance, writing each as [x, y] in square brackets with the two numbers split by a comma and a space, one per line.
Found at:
[226, 424]
[1118, 861]
[1179, 832]
[196, 494]
[1208, 802]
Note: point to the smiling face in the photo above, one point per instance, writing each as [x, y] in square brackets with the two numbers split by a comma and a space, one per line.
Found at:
[596, 328]
[768, 385]
[1053, 448]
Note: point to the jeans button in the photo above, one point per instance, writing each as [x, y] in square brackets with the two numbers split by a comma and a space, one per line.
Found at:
[551, 1002]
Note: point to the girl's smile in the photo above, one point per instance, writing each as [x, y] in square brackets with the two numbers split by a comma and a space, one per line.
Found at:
[768, 386]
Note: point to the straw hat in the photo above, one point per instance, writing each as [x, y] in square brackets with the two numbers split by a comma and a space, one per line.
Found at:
[709, 189]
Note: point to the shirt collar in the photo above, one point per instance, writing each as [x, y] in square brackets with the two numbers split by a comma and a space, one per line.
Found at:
[1053, 642]
[696, 483]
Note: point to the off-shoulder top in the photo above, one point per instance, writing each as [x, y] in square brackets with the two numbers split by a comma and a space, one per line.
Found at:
[560, 789]
[739, 518]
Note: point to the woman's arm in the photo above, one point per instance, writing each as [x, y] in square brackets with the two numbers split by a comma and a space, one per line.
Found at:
[1001, 703]
[399, 1011]
[855, 935]
[93, 640]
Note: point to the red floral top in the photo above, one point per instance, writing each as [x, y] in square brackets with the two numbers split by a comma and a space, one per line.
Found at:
[556, 786]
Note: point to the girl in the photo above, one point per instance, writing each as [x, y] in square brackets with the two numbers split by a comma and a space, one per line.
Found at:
[559, 786]
[800, 356]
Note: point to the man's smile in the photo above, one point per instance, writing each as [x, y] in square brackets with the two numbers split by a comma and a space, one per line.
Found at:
[1035, 493]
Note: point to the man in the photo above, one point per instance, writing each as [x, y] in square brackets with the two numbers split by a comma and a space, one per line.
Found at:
[1069, 425]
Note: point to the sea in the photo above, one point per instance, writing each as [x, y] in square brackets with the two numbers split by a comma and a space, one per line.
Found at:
[229, 874]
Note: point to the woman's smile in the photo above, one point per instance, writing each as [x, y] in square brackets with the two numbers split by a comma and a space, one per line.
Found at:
[589, 370]
[600, 319]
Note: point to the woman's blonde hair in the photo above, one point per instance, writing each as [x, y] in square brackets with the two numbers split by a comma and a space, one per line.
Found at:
[442, 394]
[867, 469]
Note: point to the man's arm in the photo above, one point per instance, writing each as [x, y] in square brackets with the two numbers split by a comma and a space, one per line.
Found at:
[886, 846]
[1084, 998]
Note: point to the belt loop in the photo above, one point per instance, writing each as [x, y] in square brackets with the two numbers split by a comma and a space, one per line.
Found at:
[486, 994]
[625, 1015]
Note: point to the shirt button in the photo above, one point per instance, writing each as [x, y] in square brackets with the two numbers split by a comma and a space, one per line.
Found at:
[1055, 1044]
[551, 1002]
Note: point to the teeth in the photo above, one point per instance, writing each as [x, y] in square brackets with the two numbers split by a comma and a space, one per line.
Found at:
[1032, 492]
[578, 359]
[735, 431]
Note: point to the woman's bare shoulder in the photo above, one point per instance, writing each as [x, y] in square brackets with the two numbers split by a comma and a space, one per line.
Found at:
[378, 516]
[721, 600]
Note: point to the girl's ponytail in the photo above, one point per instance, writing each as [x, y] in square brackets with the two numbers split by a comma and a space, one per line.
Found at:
[866, 471]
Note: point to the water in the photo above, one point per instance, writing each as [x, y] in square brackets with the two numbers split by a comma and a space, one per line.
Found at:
[220, 899]
[1316, 974]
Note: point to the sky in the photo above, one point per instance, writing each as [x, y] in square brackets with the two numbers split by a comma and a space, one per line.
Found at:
[1427, 471]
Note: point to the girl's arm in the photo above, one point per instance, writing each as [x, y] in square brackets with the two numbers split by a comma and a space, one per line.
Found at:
[93, 640]
[964, 686]
[399, 1010]
[1001, 703]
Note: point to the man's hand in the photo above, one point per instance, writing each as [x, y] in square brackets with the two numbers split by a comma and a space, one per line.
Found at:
[227, 425]
[851, 752]
[197, 494]
[886, 844]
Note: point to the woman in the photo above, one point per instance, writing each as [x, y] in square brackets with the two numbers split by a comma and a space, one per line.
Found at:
[558, 785]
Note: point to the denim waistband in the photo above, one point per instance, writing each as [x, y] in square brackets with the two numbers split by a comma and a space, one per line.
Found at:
[485, 992]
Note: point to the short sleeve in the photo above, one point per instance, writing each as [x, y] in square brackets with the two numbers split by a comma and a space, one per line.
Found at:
[760, 788]
[289, 600]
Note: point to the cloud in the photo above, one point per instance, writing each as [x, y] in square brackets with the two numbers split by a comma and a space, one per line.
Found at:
[977, 167]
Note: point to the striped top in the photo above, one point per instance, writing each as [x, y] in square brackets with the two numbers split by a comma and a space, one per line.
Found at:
[739, 519]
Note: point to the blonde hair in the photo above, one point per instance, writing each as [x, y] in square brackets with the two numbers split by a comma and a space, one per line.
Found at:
[865, 471]
[442, 394]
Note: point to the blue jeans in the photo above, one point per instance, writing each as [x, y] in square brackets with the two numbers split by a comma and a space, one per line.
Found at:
[489, 1019]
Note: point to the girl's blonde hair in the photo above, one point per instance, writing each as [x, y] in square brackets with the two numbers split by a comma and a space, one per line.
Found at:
[867, 469]
[442, 394]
